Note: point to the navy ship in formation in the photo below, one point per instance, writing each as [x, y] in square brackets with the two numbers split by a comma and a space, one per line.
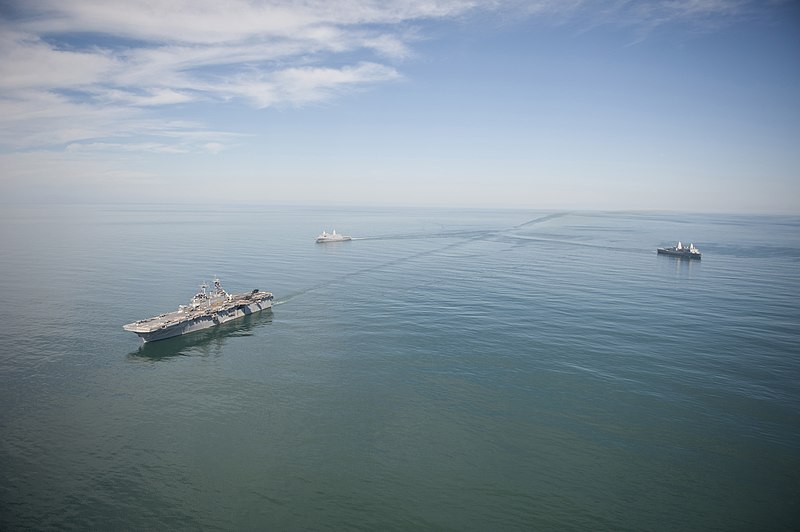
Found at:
[206, 309]
[680, 250]
[332, 237]
[209, 309]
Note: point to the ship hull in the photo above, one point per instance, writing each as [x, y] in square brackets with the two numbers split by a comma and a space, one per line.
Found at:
[322, 240]
[681, 254]
[199, 322]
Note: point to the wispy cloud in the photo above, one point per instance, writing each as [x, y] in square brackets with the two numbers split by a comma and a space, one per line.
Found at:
[98, 89]
[108, 65]
[646, 17]
[90, 70]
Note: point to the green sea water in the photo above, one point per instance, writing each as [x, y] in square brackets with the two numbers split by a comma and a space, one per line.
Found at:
[445, 370]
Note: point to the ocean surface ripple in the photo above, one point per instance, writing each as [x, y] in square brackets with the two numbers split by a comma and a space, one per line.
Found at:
[445, 369]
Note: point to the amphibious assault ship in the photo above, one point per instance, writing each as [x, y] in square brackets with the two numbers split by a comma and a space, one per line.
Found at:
[203, 311]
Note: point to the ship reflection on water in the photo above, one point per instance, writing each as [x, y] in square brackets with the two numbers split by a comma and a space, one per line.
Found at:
[201, 343]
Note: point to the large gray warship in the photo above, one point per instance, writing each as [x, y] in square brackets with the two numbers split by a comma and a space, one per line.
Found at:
[203, 311]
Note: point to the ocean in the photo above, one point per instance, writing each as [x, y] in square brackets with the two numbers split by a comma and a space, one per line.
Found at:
[445, 370]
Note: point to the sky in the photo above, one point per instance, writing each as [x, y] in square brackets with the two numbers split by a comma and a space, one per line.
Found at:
[675, 105]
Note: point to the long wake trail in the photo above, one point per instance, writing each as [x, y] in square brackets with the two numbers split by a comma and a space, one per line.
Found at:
[469, 236]
[540, 220]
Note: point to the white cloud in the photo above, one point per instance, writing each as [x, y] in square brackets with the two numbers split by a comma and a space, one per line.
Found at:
[42, 118]
[150, 147]
[648, 15]
[28, 62]
[103, 76]
[210, 21]
[305, 85]
[150, 97]
[90, 70]
[213, 147]
[149, 53]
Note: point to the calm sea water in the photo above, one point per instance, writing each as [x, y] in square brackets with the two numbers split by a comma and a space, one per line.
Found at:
[447, 370]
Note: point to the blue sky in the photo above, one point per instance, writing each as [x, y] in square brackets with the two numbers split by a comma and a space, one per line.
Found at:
[688, 105]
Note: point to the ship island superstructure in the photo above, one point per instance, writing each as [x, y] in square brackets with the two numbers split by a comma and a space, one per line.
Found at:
[206, 309]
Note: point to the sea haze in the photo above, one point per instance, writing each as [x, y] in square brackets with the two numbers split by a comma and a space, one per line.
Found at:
[446, 369]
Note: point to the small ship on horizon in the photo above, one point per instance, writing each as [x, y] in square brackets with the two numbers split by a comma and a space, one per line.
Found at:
[680, 250]
[332, 237]
[203, 311]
